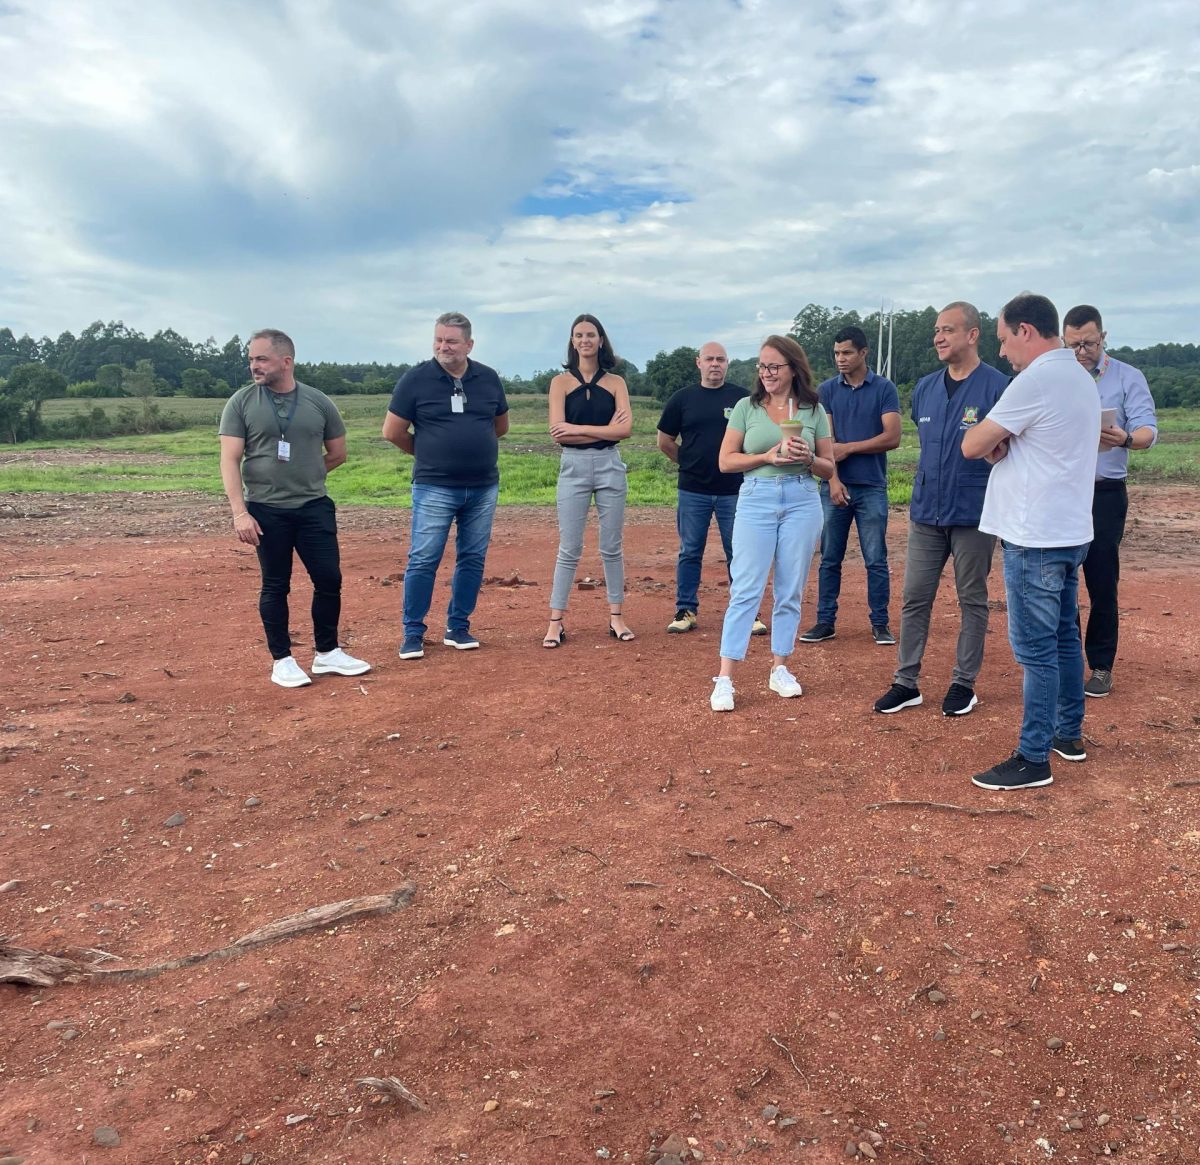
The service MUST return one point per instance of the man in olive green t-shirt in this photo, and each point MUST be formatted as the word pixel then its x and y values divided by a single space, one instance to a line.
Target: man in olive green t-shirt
pixel 279 438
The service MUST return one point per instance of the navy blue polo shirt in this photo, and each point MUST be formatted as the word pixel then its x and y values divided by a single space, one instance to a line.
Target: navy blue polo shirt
pixel 855 414
pixel 452 449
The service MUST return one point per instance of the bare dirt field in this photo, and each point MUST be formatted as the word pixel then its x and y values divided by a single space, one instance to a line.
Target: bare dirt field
pixel 634 920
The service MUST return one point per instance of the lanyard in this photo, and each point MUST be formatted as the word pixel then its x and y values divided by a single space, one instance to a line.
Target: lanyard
pixel 284 425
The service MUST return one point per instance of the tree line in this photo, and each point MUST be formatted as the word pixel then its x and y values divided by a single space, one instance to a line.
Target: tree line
pixel 116 361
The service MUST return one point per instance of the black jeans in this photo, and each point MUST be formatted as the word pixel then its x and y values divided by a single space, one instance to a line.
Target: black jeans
pixel 311 531
pixel 1102 572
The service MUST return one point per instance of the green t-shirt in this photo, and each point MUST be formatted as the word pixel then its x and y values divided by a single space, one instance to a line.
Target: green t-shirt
pixel 760 433
pixel 260 417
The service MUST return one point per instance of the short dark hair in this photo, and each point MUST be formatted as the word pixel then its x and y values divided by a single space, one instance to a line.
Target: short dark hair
pixel 1035 310
pixel 281 342
pixel 797 361
pixel 969 311
pixel 606 357
pixel 854 334
pixel 1081 316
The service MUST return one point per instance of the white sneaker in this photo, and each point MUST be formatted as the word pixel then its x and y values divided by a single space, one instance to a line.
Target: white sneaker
pixel 721 699
pixel 339 663
pixel 287 673
pixel 783 682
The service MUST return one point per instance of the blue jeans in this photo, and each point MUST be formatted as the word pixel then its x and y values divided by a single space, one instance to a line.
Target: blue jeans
pixel 434 508
pixel 868 509
pixel 692 520
pixel 778 523
pixel 1043 628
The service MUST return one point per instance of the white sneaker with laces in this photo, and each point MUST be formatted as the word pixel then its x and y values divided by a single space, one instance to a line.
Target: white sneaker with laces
pixel 786 684
pixel 287 673
pixel 339 663
pixel 721 699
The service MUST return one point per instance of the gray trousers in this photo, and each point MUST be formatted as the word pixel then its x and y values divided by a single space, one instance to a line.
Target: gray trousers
pixel 928 549
pixel 582 475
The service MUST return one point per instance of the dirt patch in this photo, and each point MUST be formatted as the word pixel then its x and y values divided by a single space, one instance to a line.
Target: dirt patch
pixel 633 918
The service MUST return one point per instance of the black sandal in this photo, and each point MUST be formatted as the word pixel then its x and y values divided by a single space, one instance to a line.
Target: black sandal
pixel 624 636
pixel 562 635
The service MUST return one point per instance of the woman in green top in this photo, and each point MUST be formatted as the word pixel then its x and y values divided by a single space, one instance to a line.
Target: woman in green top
pixel 778 520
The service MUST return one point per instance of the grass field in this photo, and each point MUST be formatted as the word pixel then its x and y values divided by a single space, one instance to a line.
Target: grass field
pixel 378 474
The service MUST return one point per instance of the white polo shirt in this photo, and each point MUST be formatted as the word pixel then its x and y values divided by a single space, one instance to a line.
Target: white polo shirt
pixel 1041 493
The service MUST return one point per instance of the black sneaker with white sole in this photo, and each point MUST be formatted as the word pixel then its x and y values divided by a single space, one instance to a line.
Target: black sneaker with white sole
pixel 882 634
pixel 897 697
pixel 1015 773
pixel 1069 749
pixel 959 700
pixel 818 633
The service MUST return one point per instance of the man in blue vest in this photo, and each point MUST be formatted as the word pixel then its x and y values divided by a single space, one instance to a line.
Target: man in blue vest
pixel 947 500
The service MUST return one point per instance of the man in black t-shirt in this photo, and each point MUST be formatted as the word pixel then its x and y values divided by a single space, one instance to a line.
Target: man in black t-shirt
pixel 690 432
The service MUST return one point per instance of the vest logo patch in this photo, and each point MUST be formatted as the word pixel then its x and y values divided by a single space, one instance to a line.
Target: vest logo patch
pixel 971 415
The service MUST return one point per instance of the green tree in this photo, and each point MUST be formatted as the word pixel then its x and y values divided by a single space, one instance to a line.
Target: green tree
pixel 21 397
pixel 144 385
pixel 670 371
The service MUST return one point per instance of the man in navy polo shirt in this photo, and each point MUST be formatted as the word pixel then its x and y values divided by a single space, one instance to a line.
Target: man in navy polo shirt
pixel 448 413
pixel 864 414
pixel 947 500
pixel 690 432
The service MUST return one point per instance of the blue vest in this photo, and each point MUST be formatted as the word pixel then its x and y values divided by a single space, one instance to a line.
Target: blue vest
pixel 947 488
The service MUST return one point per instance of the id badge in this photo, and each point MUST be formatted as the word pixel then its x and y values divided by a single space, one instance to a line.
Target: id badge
pixel 456 403
pixel 285 451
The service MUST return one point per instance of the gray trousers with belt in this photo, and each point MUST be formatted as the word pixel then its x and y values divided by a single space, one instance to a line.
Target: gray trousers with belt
pixel 928 549
pixel 584 474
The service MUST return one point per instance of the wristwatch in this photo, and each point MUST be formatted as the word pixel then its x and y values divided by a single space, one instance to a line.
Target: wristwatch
pixel 1128 440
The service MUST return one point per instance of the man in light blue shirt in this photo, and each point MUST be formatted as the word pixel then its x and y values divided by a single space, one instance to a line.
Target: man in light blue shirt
pixel 1124 390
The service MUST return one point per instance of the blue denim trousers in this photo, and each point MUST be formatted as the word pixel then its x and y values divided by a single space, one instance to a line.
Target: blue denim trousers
pixel 692 519
pixel 778 525
pixel 434 508
pixel 1043 608
pixel 868 510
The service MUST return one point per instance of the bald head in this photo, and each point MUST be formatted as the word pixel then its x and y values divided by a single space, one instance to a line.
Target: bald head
pixel 713 363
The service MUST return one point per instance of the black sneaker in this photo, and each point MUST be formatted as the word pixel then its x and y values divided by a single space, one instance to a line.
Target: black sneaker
pixel 959 700
pixel 1099 683
pixel 818 633
pixel 897 697
pixel 1069 749
pixel 882 634
pixel 1015 773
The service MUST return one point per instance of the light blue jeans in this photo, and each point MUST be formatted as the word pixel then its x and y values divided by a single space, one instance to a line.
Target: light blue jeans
pixel 584 474
pixel 778 525
pixel 1042 585
pixel 435 507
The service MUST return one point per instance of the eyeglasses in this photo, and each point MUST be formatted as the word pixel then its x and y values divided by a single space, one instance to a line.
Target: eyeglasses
pixel 769 369
pixel 1087 345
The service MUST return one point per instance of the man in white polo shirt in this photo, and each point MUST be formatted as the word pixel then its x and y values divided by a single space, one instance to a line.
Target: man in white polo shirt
pixel 1042 438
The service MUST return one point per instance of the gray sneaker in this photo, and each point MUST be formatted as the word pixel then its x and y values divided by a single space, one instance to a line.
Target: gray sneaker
pixel 1099 683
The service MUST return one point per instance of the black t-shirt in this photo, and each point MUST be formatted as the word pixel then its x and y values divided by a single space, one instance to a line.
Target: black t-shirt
pixel 452 449
pixel 952 385
pixel 699 415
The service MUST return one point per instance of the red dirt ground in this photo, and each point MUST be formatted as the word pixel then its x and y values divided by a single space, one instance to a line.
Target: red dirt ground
pixel 568 955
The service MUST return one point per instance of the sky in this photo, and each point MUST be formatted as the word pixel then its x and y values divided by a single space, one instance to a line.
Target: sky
pixel 686 170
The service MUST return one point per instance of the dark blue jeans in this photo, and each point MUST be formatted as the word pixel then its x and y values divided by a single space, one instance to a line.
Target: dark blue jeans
pixel 693 519
pixel 435 507
pixel 311 531
pixel 868 510
pixel 1043 627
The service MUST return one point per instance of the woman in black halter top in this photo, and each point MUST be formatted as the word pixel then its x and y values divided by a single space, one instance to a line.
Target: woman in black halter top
pixel 589 414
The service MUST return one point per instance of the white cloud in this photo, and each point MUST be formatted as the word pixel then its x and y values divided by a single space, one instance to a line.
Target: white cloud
pixel 348 170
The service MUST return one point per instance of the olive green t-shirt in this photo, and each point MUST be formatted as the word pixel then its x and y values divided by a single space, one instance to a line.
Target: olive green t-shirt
pixel 260 417
pixel 760 433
